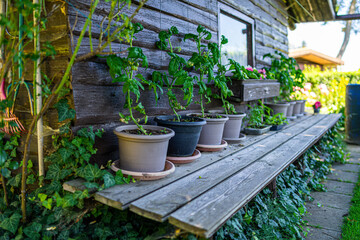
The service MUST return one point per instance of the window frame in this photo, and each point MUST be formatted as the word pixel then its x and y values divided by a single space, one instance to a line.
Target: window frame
pixel 248 21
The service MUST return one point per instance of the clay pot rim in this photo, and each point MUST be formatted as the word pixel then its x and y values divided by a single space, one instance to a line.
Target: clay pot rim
pixel 163 137
pixel 159 119
pixel 214 120
pixel 278 104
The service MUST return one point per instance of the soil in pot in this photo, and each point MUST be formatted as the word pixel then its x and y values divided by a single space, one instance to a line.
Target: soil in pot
pixel 143 153
pixel 187 134
pixel 278 107
pixel 212 131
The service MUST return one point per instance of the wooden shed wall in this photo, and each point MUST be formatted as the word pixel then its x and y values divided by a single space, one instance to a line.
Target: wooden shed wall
pixel 98 101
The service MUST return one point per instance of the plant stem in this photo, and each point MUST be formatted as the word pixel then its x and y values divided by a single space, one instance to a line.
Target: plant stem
pixel 73 57
pixel 5 191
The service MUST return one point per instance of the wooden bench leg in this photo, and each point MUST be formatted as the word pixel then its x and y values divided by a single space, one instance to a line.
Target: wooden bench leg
pixel 272 187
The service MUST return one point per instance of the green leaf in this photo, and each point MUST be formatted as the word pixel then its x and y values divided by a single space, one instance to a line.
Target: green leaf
pixel 109 180
pixel 6 172
pixel 91 185
pixel 64 110
pixel 56 173
pixel 42 197
pixel 92 172
pixel 33 230
pixel 65 154
pixel 3 157
pixel 69 201
pixel 11 224
pixel 81 194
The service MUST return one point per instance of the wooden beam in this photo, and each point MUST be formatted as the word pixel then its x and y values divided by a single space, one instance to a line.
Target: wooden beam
pixel 347 17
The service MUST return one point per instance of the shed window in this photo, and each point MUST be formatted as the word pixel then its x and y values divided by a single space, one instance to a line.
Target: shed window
pixel 240 35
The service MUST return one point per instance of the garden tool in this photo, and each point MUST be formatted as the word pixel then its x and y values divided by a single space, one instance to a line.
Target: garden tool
pixel 12 125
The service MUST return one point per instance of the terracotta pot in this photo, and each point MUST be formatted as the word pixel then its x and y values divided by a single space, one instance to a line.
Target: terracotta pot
pixel 290 109
pixel 278 107
pixel 186 137
pixel 233 125
pixel 297 108
pixel 212 132
pixel 142 153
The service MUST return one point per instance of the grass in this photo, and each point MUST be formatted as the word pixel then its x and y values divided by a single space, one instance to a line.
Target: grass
pixel 351 226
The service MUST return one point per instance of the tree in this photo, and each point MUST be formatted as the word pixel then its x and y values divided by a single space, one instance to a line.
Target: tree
pixel 348 27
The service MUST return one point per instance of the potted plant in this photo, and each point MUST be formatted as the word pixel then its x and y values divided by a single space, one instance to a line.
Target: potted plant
pixel 255 124
pixel 212 132
pixel 142 148
pixel 233 125
pixel 317 106
pixel 289 75
pixel 187 129
pixel 276 121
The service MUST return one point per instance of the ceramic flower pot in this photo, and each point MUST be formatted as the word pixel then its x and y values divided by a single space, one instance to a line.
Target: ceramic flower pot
pixel 278 108
pixel 143 153
pixel 233 126
pixel 212 131
pixel 290 109
pixel 297 108
pixel 302 108
pixel 187 134
pixel 316 110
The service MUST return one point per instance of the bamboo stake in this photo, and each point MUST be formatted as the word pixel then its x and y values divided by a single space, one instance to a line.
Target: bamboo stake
pixel 38 91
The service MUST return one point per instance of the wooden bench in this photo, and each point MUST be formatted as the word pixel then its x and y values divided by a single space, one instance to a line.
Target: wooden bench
pixel 199 197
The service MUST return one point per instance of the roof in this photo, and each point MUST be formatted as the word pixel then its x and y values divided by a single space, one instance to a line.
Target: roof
pixel 310 11
pixel 314 56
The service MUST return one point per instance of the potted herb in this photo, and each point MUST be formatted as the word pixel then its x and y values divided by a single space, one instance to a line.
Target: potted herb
pixel 187 129
pixel 142 148
pixel 255 124
pixel 233 125
pixel 276 121
pixel 212 132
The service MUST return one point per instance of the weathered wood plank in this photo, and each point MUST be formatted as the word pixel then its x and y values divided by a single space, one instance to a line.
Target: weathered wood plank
pixel 205 214
pixel 160 204
pixel 248 90
pixel 121 196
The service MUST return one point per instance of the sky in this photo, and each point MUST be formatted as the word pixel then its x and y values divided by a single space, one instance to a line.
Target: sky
pixel 327 39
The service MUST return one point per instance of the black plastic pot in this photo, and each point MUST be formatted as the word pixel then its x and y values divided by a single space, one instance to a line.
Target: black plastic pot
pixel 277 127
pixel 187 134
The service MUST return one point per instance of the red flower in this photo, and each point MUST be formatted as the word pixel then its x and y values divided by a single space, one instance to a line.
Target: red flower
pixel 317 105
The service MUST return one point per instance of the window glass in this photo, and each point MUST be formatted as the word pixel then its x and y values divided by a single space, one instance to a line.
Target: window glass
pixel 236 32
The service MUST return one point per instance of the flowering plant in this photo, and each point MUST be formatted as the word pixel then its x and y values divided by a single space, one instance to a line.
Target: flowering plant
pixel 317 105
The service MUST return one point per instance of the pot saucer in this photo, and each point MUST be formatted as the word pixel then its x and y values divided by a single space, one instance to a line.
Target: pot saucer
pixel 182 160
pixel 146 176
pixel 212 148
pixel 236 140
pixel 292 118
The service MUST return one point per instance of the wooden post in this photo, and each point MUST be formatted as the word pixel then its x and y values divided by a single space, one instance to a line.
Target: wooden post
pixel 38 96
pixel 272 187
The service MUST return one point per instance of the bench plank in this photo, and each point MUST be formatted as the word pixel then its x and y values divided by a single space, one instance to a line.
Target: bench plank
pixel 205 214
pixel 120 196
pixel 159 204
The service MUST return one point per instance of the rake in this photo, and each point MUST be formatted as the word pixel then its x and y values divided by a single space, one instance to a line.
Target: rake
pixel 12 125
